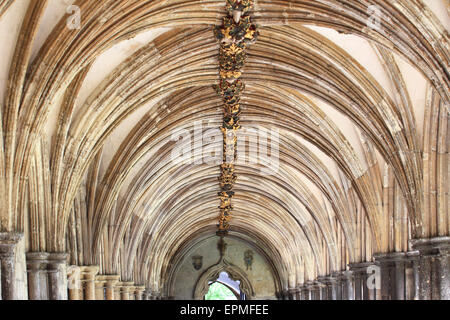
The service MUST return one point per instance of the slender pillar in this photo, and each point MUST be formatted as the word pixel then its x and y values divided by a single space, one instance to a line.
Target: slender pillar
pixel 434 268
pixel 100 284
pixel 57 276
pixel 284 295
pixel 117 289
pixel 139 292
pixel 10 289
pixel 310 290
pixel 148 294
pixel 395 277
pixel 304 292
pixel 317 290
pixel 298 293
pixel 357 279
pixel 125 290
pixel 314 290
pixel 37 275
pixel 333 287
pixel 74 282
pixel 158 296
pixel 414 275
pixel 111 282
pixel 361 275
pixel 292 294
pixel 323 288
pixel 348 286
pixel 336 283
pixel 132 293
pixel 88 280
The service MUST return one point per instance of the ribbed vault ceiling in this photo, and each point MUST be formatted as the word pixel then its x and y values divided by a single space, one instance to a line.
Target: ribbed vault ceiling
pixel 91 115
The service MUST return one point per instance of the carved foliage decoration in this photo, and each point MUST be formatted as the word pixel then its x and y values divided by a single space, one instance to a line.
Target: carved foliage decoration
pixel 234 35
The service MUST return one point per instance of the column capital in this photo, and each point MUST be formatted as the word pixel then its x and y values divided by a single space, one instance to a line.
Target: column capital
pixel 333 278
pixel 432 246
pixel 73 270
pixel 303 287
pixel 100 280
pixel 147 292
pixel 55 260
pixel 413 255
pixel 125 286
pixel 293 291
pixel 58 257
pixel 358 268
pixel 10 237
pixel 111 280
pixel 323 280
pixel 36 261
pixel 39 256
pixel 89 272
pixel 313 285
pixel 346 274
pixel 140 288
pixel 8 242
pixel 390 257
pixel 337 276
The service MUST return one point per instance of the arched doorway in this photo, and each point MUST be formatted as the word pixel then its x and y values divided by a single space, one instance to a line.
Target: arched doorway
pixel 229 275
pixel 225 288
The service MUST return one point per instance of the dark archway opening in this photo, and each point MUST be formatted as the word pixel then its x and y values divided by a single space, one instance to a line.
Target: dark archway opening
pixel 224 288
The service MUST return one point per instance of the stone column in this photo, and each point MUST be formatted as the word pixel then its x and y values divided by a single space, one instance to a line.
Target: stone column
pixel 309 290
pixel 148 294
pixel 314 290
pixel 158 296
pixel 57 276
pixel 139 292
pixel 348 286
pixel 100 284
pixel 111 282
pixel 283 295
pixel 298 293
pixel 393 275
pixel 37 275
pixel 434 268
pixel 132 293
pixel 292 294
pixel 74 283
pixel 88 280
pixel 317 290
pixel 412 276
pixel 117 291
pixel 333 284
pixel 125 290
pixel 357 279
pixel 361 274
pixel 323 288
pixel 304 293
pixel 10 248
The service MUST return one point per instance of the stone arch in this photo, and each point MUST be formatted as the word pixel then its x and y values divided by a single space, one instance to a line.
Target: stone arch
pixel 213 273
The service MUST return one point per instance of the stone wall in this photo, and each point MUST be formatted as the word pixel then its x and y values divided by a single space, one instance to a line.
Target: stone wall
pixel 260 276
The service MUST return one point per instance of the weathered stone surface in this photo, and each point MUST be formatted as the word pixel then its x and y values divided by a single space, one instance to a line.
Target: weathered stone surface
pixel 344 146
pixel 13 267
pixel 434 268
